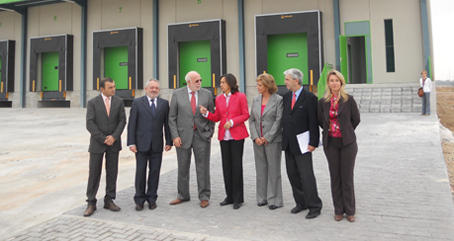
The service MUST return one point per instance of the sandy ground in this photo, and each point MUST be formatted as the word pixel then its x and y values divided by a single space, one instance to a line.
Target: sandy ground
pixel 445 111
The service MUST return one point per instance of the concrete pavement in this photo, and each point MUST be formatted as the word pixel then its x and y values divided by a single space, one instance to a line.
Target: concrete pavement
pixel 402 188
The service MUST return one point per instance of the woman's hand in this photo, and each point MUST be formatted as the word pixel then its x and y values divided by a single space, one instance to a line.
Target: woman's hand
pixel 203 110
pixel 227 125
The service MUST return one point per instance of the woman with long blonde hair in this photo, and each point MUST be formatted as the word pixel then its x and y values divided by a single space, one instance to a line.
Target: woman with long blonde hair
pixel 338 116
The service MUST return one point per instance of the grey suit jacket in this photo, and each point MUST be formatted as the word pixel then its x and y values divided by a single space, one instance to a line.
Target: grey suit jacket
pixel 270 120
pixel 181 119
pixel 100 125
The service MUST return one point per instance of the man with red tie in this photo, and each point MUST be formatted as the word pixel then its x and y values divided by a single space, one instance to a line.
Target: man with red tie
pixel 190 131
pixel 299 116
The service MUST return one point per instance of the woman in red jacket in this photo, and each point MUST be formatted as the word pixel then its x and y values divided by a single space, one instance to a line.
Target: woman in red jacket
pixel 232 112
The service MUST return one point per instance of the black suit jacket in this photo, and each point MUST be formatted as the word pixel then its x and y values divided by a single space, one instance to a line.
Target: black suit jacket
pixel 348 118
pixel 100 125
pixel 145 129
pixel 303 117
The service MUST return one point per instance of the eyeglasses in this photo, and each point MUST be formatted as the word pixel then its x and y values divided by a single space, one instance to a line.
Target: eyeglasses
pixel 197 81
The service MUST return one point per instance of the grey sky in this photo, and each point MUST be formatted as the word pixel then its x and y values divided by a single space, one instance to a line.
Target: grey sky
pixel 443 38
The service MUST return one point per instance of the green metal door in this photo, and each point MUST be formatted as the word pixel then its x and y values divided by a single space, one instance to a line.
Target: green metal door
pixel 196 55
pixel 287 51
pixel 116 66
pixel 50 71
pixel 343 56
pixel 2 84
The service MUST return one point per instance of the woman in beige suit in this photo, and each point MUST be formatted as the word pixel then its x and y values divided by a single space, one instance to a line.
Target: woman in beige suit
pixel 266 132
pixel 338 115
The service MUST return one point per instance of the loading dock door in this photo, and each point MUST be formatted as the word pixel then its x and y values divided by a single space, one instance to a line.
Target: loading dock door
pixel 116 66
pixel 50 71
pixel 287 51
pixel 196 55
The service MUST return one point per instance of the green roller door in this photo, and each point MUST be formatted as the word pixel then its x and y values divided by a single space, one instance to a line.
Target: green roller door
pixel 343 55
pixel 116 66
pixel 196 55
pixel 287 51
pixel 50 71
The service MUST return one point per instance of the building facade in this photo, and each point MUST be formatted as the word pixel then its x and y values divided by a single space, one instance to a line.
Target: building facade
pixel 56 51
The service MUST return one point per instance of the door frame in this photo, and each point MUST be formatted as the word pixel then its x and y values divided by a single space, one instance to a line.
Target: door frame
pixel 356 29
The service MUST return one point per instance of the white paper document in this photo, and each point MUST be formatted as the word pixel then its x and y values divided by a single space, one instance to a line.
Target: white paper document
pixel 303 141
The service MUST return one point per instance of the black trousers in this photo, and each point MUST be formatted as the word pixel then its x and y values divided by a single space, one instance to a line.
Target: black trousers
pixel 341 161
pixel 232 167
pixel 153 160
pixel 94 176
pixel 302 179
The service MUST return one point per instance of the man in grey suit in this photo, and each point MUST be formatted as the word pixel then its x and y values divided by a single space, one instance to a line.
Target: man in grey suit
pixel 149 116
pixel 190 130
pixel 106 120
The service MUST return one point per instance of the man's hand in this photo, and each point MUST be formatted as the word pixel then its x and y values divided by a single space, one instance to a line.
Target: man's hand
pixel 177 142
pixel 264 141
pixel 133 148
pixel 258 141
pixel 168 147
pixel 109 140
pixel 310 148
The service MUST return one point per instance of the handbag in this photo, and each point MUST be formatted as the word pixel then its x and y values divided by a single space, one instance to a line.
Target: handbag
pixel 421 89
pixel 420 92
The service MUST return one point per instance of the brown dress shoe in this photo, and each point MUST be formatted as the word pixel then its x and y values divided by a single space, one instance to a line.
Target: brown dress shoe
pixel 351 218
pixel 177 201
pixel 90 210
pixel 204 203
pixel 112 207
pixel 338 217
pixel 152 206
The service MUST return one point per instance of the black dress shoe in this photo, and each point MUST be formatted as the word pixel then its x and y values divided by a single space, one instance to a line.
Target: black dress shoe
pixel 272 207
pixel 112 207
pixel 152 206
pixel 262 204
pixel 139 206
pixel 236 205
pixel 313 214
pixel 225 202
pixel 298 209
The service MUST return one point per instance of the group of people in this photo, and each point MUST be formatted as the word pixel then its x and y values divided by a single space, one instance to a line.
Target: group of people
pixel 288 123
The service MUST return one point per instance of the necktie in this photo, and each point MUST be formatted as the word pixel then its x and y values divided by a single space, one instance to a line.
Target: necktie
pixel 153 108
pixel 107 106
pixel 293 100
pixel 193 106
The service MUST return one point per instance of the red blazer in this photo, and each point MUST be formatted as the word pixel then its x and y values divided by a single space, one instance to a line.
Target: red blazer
pixel 237 111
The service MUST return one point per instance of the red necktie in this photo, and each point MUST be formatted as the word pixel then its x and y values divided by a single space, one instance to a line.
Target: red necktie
pixel 193 105
pixel 293 100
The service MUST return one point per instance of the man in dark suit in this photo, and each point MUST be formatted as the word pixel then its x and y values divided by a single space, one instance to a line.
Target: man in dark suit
pixel 300 115
pixel 191 131
pixel 106 120
pixel 149 115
